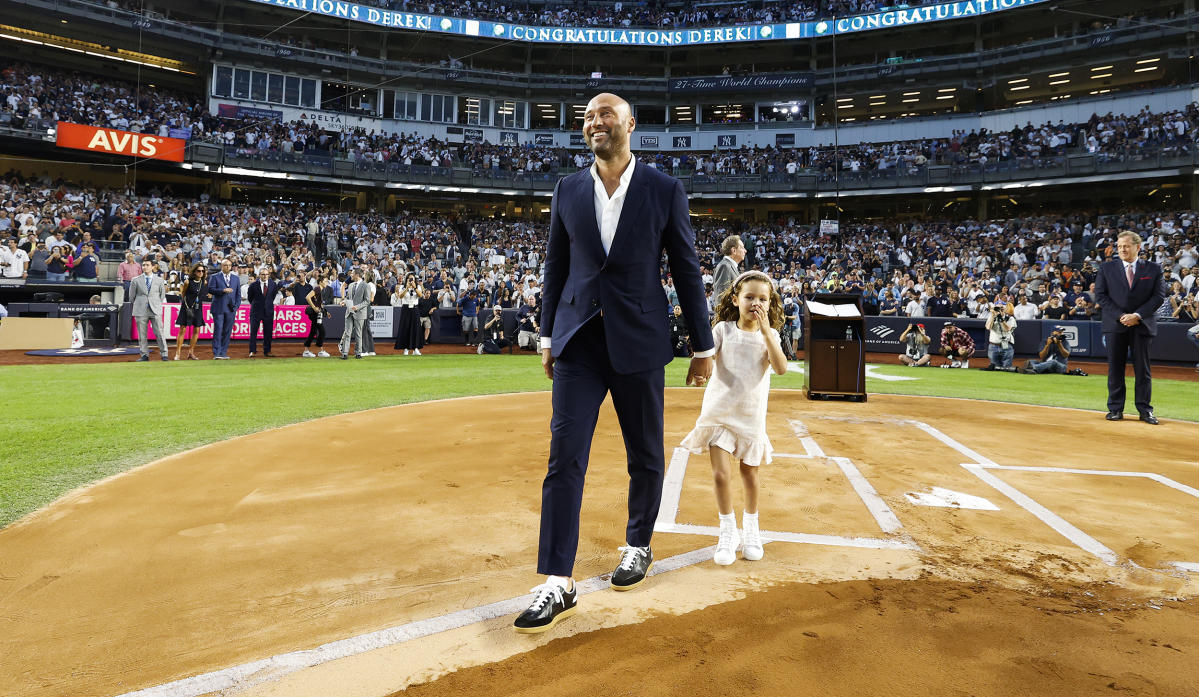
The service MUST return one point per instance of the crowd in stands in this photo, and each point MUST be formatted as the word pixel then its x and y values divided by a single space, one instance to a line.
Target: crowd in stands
pixel 1043 267
pixel 1111 137
pixel 37 98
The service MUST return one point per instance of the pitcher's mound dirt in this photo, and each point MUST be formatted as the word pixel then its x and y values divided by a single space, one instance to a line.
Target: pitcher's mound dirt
pixel 885 638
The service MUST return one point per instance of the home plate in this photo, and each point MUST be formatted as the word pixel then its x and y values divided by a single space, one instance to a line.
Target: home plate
pixel 944 498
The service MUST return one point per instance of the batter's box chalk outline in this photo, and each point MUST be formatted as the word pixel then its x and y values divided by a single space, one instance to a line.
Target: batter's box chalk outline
pixel 247 675
pixel 983 468
pixel 888 522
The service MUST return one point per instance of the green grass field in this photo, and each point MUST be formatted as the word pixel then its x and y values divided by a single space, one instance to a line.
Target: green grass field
pixel 68 425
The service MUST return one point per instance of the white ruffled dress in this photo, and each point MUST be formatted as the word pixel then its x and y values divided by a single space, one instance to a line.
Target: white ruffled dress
pixel 733 415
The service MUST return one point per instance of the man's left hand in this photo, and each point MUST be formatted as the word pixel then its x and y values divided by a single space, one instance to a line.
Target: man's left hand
pixel 699 371
pixel 1130 319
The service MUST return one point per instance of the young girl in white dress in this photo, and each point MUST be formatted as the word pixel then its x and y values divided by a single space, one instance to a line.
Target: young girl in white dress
pixel 732 421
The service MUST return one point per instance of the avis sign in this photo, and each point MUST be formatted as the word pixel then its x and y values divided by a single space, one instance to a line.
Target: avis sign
pixel 114 142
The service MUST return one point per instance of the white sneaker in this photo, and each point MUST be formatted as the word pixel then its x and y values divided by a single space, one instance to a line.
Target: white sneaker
pixel 965 364
pixel 308 354
pixel 322 354
pixel 369 353
pixel 751 547
pixel 405 352
pixel 726 547
pixel 955 364
pixel 416 352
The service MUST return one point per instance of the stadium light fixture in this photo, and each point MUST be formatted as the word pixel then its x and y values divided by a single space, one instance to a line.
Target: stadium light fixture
pixel 1102 67
pixel 1100 76
pixel 1052 75
pixel 949 89
pixel 946 96
pixel 1026 101
pixel 1148 60
pixel 1058 82
pixel 1145 70
pixel 909 101
pixel 93 53
pixel 1021 87
pixel 845 99
pixel 911 94
pixel 878 104
pixel 1018 81
pixel 879 96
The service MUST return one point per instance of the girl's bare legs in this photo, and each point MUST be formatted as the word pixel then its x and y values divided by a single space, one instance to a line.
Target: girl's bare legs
pixel 749 480
pixel 723 480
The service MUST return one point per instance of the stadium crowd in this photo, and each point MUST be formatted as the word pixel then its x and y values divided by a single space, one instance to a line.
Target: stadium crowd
pixel 1043 267
pixel 37 98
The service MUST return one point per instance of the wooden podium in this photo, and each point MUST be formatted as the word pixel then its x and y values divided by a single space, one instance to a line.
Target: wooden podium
pixel 834 336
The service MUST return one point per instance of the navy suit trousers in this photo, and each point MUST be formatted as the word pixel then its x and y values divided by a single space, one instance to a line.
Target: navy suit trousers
pixel 583 376
pixel 266 320
pixel 1119 346
pixel 222 330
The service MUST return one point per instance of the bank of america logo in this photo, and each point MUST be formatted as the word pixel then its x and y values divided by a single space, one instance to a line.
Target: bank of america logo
pixel 882 331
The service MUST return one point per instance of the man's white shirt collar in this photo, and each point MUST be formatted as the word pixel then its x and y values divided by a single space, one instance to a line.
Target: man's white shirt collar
pixel 625 178
pixel 608 208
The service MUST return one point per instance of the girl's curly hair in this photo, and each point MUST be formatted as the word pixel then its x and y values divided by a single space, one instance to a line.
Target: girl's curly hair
pixel 726 305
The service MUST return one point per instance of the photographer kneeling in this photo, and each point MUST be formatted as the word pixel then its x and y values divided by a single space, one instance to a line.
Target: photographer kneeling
pixel 1053 356
pixel 915 346
pixel 493 332
pixel 1001 343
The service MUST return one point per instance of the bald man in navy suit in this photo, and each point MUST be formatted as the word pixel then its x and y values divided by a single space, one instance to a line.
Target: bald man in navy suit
pixel 605 330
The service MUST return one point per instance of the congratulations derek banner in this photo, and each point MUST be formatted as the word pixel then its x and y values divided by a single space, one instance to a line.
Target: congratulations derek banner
pixel 616 36
pixel 290 322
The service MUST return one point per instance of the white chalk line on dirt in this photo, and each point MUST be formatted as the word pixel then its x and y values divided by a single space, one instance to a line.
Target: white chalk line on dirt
pixel 979 469
pixel 248 675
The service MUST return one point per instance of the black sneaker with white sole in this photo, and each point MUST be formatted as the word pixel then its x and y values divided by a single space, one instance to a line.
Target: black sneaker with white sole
pixel 550 604
pixel 634 565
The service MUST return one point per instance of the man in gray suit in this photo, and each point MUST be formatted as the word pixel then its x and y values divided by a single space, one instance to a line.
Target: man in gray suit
pixel 148 292
pixel 357 305
pixel 729 267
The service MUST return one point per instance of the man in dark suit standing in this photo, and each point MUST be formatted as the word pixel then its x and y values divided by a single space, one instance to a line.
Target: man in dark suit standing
pixel 261 295
pixel 1129 290
pixel 226 296
pixel 604 330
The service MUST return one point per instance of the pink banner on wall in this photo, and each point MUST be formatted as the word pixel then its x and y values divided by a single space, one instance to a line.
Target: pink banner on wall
pixel 290 322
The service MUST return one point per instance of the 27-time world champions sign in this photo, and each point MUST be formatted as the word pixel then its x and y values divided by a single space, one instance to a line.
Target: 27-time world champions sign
pixel 619 36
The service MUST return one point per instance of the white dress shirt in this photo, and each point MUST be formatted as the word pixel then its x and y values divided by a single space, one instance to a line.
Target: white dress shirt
pixel 608 208
pixel 607 218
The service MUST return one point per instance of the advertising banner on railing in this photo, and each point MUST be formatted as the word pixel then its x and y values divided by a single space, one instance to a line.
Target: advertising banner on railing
pixel 290 322
pixel 623 36
pixel 114 142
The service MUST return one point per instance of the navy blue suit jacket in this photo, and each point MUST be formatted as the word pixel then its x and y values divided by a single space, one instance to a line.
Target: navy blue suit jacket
pixel 264 303
pixel 1147 293
pixel 221 301
pixel 580 280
